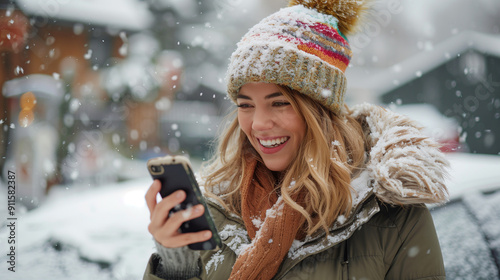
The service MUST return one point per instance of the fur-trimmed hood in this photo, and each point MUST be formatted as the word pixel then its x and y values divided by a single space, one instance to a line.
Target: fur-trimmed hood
pixel 404 166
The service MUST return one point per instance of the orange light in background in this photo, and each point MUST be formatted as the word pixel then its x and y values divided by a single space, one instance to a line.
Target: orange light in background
pixel 28 103
pixel 26 117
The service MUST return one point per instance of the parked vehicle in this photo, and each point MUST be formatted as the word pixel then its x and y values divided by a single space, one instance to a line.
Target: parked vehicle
pixel 468 226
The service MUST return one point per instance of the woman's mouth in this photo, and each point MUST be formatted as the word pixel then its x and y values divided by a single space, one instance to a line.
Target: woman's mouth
pixel 273 143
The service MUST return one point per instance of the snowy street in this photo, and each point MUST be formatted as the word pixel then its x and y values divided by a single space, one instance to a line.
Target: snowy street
pixel 98 233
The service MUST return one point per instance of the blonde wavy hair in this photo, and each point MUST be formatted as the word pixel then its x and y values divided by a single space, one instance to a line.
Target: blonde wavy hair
pixel 332 152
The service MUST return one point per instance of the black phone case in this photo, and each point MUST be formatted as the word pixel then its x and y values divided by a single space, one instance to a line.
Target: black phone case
pixel 175 176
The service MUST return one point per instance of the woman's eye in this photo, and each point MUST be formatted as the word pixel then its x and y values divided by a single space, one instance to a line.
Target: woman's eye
pixel 243 106
pixel 281 103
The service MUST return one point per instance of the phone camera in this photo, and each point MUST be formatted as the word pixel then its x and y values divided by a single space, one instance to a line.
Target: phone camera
pixel 155 168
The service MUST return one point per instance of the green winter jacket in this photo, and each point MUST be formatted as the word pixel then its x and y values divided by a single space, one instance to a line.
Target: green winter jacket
pixel 377 240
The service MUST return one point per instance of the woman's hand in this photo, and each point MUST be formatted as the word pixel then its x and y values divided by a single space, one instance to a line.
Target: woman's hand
pixel 165 228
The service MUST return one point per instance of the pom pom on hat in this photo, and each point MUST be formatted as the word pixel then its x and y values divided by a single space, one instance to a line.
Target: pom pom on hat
pixel 303 47
pixel 348 12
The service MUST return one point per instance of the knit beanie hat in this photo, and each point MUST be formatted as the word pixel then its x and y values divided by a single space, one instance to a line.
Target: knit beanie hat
pixel 303 47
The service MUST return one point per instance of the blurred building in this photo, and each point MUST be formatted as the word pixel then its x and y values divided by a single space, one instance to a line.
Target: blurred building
pixel 460 77
pixel 68 42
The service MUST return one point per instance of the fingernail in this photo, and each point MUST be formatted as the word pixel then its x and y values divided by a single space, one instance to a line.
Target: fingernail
pixel 178 194
pixel 198 209
pixel 207 234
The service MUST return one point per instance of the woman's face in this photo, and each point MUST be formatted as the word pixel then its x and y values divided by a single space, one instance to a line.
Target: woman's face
pixel 271 124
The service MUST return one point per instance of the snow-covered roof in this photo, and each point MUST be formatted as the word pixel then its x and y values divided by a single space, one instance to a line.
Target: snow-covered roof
pixel 381 81
pixel 44 86
pixel 185 8
pixel 126 14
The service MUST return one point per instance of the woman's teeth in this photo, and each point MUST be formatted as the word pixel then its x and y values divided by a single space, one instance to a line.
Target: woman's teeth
pixel 274 142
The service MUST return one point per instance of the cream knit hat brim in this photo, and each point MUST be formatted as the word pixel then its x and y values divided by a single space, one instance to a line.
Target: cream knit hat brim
pixel 281 65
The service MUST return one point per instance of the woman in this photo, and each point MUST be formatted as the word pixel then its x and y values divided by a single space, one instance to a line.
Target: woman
pixel 301 186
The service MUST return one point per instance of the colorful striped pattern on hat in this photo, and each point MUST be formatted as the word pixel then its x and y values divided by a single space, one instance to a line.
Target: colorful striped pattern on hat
pixel 297 47
pixel 322 41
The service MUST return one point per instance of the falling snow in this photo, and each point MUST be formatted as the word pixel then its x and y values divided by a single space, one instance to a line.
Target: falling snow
pixel 88 55
pixel 100 244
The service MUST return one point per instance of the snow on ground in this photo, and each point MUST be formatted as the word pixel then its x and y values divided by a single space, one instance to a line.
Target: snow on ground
pixel 98 233
pixel 101 232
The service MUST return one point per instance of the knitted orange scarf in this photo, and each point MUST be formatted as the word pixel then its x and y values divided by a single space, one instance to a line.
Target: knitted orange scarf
pixel 279 226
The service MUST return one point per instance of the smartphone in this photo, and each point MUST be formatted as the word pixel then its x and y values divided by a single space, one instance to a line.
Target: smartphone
pixel 175 173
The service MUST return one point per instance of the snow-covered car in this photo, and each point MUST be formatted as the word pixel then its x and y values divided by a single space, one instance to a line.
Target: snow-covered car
pixel 468 226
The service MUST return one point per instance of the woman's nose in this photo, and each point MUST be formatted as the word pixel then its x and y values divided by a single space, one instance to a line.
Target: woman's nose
pixel 262 120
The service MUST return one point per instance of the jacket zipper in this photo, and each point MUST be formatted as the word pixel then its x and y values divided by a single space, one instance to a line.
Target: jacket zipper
pixel 345 262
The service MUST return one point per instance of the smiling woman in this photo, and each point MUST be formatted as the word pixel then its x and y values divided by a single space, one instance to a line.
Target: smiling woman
pixel 273 127
pixel 301 186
